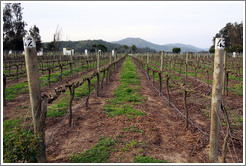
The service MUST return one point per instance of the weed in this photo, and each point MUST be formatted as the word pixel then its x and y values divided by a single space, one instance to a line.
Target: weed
pixel 140 150
pixel 147 159
pixel 97 154
pixel 19 145
pixel 132 144
pixel 126 93
pixel 120 136
pixel 58 109
pixel 133 129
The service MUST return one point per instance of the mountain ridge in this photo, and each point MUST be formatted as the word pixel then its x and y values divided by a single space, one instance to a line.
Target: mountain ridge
pixel 141 43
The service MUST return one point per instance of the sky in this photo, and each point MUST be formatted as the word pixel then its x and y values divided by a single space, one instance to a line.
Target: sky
pixel 159 22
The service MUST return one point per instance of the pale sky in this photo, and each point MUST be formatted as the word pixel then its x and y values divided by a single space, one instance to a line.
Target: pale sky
pixel 159 22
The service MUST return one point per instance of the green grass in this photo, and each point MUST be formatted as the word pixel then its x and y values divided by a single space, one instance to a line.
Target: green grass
pixel 8 125
pixel 19 145
pixel 132 144
pixel 12 91
pixel 97 154
pixel 239 119
pixel 133 129
pixel 147 159
pixel 123 109
pixel 127 94
pixel 58 109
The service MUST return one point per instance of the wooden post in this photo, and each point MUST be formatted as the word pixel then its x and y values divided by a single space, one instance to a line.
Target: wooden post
pixel 38 109
pixel 227 83
pixel 162 52
pixel 160 81
pixel 110 57
pixel 216 99
pixel 224 73
pixel 103 78
pixel 153 77
pixel 167 86
pixel 49 76
pixel 98 73
pixel 185 107
pixel 186 63
pixel 148 58
pixel 89 92
pixel 71 90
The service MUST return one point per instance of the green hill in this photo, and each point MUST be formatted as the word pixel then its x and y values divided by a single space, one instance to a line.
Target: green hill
pixel 92 45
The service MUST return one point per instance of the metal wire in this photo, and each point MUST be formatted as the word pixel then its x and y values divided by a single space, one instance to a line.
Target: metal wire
pixel 68 116
pixel 204 133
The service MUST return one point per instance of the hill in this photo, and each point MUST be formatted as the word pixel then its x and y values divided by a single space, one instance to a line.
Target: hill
pixel 82 45
pixel 140 43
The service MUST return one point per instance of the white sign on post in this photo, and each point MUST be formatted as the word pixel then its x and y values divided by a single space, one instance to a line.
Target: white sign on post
pixel 219 43
pixel 29 42
pixel 112 52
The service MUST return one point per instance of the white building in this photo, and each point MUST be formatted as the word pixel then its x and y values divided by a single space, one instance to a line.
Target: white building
pixel 67 51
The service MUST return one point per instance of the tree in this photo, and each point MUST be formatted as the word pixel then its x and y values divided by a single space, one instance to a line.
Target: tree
pixel 176 50
pixel 102 47
pixel 57 38
pixel 13 27
pixel 212 49
pixel 34 32
pixel 8 30
pixel 233 34
pixel 133 48
pixel 125 47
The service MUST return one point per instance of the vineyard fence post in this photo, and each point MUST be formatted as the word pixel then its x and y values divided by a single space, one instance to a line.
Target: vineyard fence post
pixel 39 108
pixel 216 99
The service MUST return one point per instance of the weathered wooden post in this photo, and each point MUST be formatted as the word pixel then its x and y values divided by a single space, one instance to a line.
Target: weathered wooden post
pixel 162 54
pixel 89 92
pixel 38 109
pixel 224 73
pixel 186 63
pixel 167 86
pixel 98 73
pixel 216 99
pixel 110 57
pixel 49 76
pixel 71 90
pixel 160 82
pixel 148 58
pixel 185 107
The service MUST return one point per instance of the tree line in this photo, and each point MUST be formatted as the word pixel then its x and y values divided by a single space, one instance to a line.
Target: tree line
pixel 233 34
pixel 14 28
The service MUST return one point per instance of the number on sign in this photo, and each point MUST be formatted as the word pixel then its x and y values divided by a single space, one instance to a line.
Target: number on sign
pixel 29 42
pixel 221 43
